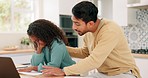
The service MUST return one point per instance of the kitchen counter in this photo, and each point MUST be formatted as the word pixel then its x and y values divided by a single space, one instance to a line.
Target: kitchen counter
pixel 17 51
pixel 140 55
pixel 32 50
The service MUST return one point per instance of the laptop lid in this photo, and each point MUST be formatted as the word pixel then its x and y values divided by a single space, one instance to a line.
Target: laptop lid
pixel 7 68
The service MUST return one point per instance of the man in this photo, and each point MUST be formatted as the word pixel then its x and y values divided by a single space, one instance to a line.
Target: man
pixel 105 47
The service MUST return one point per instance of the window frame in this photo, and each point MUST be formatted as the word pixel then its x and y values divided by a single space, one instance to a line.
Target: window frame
pixel 35 10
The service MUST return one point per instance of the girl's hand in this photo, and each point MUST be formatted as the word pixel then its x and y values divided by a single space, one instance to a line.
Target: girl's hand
pixel 40 46
pixel 28 69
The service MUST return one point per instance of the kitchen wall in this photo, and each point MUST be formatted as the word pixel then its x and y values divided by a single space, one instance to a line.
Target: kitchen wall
pixel 9 39
pixel 137 34
pixel 65 6
pixel 51 10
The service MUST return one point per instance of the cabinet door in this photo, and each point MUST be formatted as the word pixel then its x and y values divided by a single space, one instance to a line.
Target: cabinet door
pixel 120 12
pixel 115 10
pixel 142 63
pixel 65 6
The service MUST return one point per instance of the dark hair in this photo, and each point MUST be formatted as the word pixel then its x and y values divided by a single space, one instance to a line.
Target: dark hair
pixel 86 11
pixel 46 31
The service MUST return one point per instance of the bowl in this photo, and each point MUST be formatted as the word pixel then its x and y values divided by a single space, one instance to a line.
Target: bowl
pixel 10 48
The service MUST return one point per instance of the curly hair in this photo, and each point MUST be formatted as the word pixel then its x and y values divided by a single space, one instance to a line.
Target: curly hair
pixel 46 31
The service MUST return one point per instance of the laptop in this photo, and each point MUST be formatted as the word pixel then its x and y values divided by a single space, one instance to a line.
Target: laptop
pixel 7 68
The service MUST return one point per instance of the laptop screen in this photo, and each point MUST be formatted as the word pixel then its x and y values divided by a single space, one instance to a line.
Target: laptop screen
pixel 7 68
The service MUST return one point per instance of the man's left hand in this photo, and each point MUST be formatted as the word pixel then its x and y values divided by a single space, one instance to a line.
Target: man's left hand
pixel 48 70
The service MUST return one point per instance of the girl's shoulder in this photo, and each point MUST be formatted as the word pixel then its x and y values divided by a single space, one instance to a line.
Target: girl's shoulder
pixel 57 42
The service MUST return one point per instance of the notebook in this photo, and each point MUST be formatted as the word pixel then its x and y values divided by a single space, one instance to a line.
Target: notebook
pixel 7 68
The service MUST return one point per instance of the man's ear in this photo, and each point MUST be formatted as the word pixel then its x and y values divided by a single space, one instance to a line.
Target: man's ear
pixel 91 23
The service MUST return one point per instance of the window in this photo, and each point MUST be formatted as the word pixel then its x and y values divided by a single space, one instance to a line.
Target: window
pixel 16 15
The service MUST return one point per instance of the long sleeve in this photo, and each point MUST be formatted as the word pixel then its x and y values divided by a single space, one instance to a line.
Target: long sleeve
pixel 52 58
pixel 37 59
pixel 56 56
pixel 98 55
pixel 80 52
pixel 59 56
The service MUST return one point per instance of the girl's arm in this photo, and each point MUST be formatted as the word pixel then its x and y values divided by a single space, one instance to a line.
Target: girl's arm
pixel 37 59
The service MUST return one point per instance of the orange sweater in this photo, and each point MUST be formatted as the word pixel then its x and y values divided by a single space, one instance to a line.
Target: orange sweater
pixel 106 50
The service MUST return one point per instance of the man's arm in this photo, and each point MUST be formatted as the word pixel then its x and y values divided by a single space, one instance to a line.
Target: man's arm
pixel 105 45
pixel 78 52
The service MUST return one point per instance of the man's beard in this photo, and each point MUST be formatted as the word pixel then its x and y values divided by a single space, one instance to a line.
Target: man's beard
pixel 81 33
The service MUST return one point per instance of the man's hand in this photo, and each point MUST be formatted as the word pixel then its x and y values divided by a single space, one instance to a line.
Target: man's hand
pixel 48 70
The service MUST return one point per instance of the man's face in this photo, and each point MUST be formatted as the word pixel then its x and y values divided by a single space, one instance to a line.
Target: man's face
pixel 79 26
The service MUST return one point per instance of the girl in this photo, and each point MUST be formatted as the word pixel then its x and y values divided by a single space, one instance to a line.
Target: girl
pixel 49 42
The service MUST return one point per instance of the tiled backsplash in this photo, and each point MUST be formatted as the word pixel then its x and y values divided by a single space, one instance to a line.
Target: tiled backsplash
pixel 137 34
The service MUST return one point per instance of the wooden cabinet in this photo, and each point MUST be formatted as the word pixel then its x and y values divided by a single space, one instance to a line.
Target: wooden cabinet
pixel 116 10
pixel 142 64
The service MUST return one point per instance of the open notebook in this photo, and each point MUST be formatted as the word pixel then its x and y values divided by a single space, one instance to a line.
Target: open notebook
pixel 7 68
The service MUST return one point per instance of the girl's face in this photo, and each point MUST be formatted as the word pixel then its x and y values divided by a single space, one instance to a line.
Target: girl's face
pixel 36 40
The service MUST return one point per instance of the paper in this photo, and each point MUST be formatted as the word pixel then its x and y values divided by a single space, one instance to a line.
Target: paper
pixel 76 77
pixel 32 73
pixel 21 66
